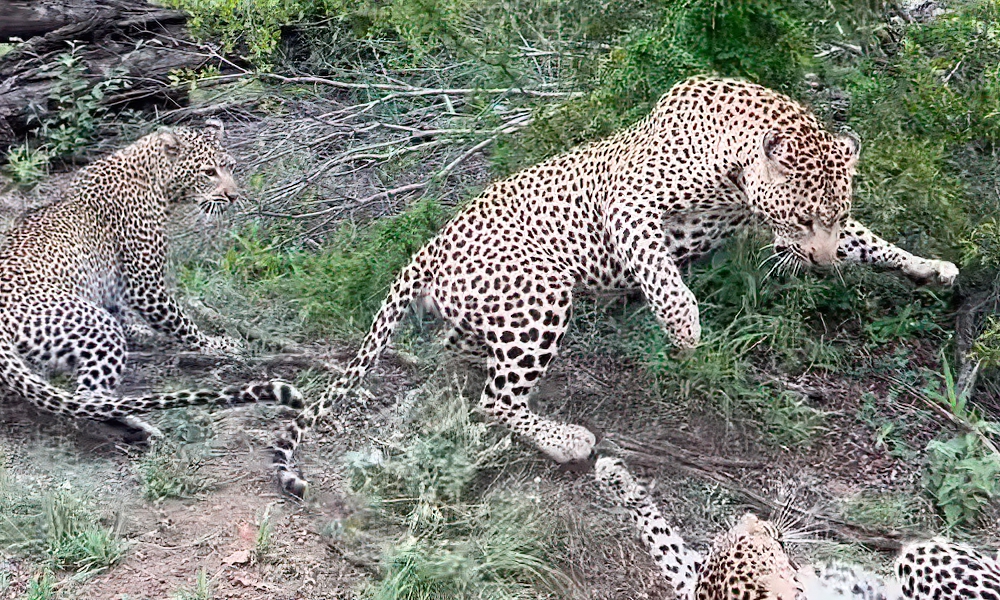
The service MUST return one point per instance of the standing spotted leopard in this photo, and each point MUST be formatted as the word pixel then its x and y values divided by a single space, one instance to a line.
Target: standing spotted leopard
pixel 749 562
pixel 715 156
pixel 75 275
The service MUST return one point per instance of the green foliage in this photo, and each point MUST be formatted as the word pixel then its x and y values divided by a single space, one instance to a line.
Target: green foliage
pixel 986 349
pixel 251 27
pixel 59 527
pixel 455 540
pixel 930 117
pixel 910 320
pixel 963 474
pixel 907 193
pixel 963 477
pixel 202 589
pixel 27 165
pixel 41 587
pixel 171 470
pixel 341 286
pixel 77 103
pixel 761 40
pixel 72 120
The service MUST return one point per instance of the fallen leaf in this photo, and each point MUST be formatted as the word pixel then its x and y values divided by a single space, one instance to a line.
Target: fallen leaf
pixel 240 557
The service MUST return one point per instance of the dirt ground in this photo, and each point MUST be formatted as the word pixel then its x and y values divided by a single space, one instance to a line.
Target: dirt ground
pixel 704 468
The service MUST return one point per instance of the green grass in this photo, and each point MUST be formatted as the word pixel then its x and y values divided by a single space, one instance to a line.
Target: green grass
pixel 59 528
pixel 171 470
pixel 899 511
pixel 338 288
pixel 202 589
pixel 449 531
pixel 41 587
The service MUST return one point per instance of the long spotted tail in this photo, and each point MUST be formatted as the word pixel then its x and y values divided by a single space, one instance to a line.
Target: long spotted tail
pixel 404 290
pixel 16 376
pixel 679 564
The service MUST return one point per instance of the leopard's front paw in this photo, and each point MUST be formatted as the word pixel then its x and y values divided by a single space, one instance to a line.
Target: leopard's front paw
pixel 220 345
pixel 567 444
pixel 686 336
pixel 940 272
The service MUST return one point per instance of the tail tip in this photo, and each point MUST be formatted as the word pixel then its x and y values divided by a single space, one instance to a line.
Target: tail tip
pixel 287 394
pixel 293 485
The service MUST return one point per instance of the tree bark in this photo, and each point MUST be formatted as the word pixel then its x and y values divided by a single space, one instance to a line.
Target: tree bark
pixel 147 40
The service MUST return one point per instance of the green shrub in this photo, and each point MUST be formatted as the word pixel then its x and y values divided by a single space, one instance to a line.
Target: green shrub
pixel 930 116
pixel 963 477
pixel 250 27
pixel 761 40
pixel 76 102
pixel 73 119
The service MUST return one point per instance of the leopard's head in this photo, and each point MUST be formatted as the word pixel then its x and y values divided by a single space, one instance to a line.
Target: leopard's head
pixel 196 166
pixel 799 182
pixel 748 561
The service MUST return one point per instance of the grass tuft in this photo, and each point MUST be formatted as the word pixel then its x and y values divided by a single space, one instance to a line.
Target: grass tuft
pixel 449 532
pixel 171 470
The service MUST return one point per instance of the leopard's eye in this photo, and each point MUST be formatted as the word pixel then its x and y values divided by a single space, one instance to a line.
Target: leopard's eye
pixel 806 222
pixel 210 171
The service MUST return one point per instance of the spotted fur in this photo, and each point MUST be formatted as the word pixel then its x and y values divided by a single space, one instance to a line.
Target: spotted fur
pixel 716 156
pixel 75 276
pixel 679 564
pixel 749 561
pixel 943 570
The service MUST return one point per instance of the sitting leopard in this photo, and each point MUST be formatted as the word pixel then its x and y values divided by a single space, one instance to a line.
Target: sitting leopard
pixel 716 156
pixel 75 274
pixel 749 561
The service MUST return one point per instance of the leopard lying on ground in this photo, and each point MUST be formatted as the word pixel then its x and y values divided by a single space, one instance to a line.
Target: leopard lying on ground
pixel 749 561
pixel 77 274
pixel 716 156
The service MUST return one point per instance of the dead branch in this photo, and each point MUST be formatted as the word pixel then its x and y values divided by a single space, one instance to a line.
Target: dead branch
pixel 409 90
pixel 658 455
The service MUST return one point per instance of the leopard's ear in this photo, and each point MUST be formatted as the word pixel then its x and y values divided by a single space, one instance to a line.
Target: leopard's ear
pixel 217 127
pixel 169 142
pixel 851 144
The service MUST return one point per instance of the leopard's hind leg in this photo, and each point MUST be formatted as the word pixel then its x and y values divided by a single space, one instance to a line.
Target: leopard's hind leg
pixel 71 334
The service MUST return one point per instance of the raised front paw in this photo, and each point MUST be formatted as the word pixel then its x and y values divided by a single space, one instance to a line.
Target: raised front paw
pixel 567 444
pixel 220 345
pixel 940 272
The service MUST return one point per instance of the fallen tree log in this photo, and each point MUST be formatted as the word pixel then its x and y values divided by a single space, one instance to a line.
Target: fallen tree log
pixel 146 41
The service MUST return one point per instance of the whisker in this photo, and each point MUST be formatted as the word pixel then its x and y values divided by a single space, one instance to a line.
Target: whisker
pixel 777 265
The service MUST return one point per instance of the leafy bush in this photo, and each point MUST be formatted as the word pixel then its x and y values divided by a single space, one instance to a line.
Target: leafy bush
pixel 76 103
pixel 930 117
pixel 72 120
pixel 963 477
pixel 761 40
pixel 252 27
